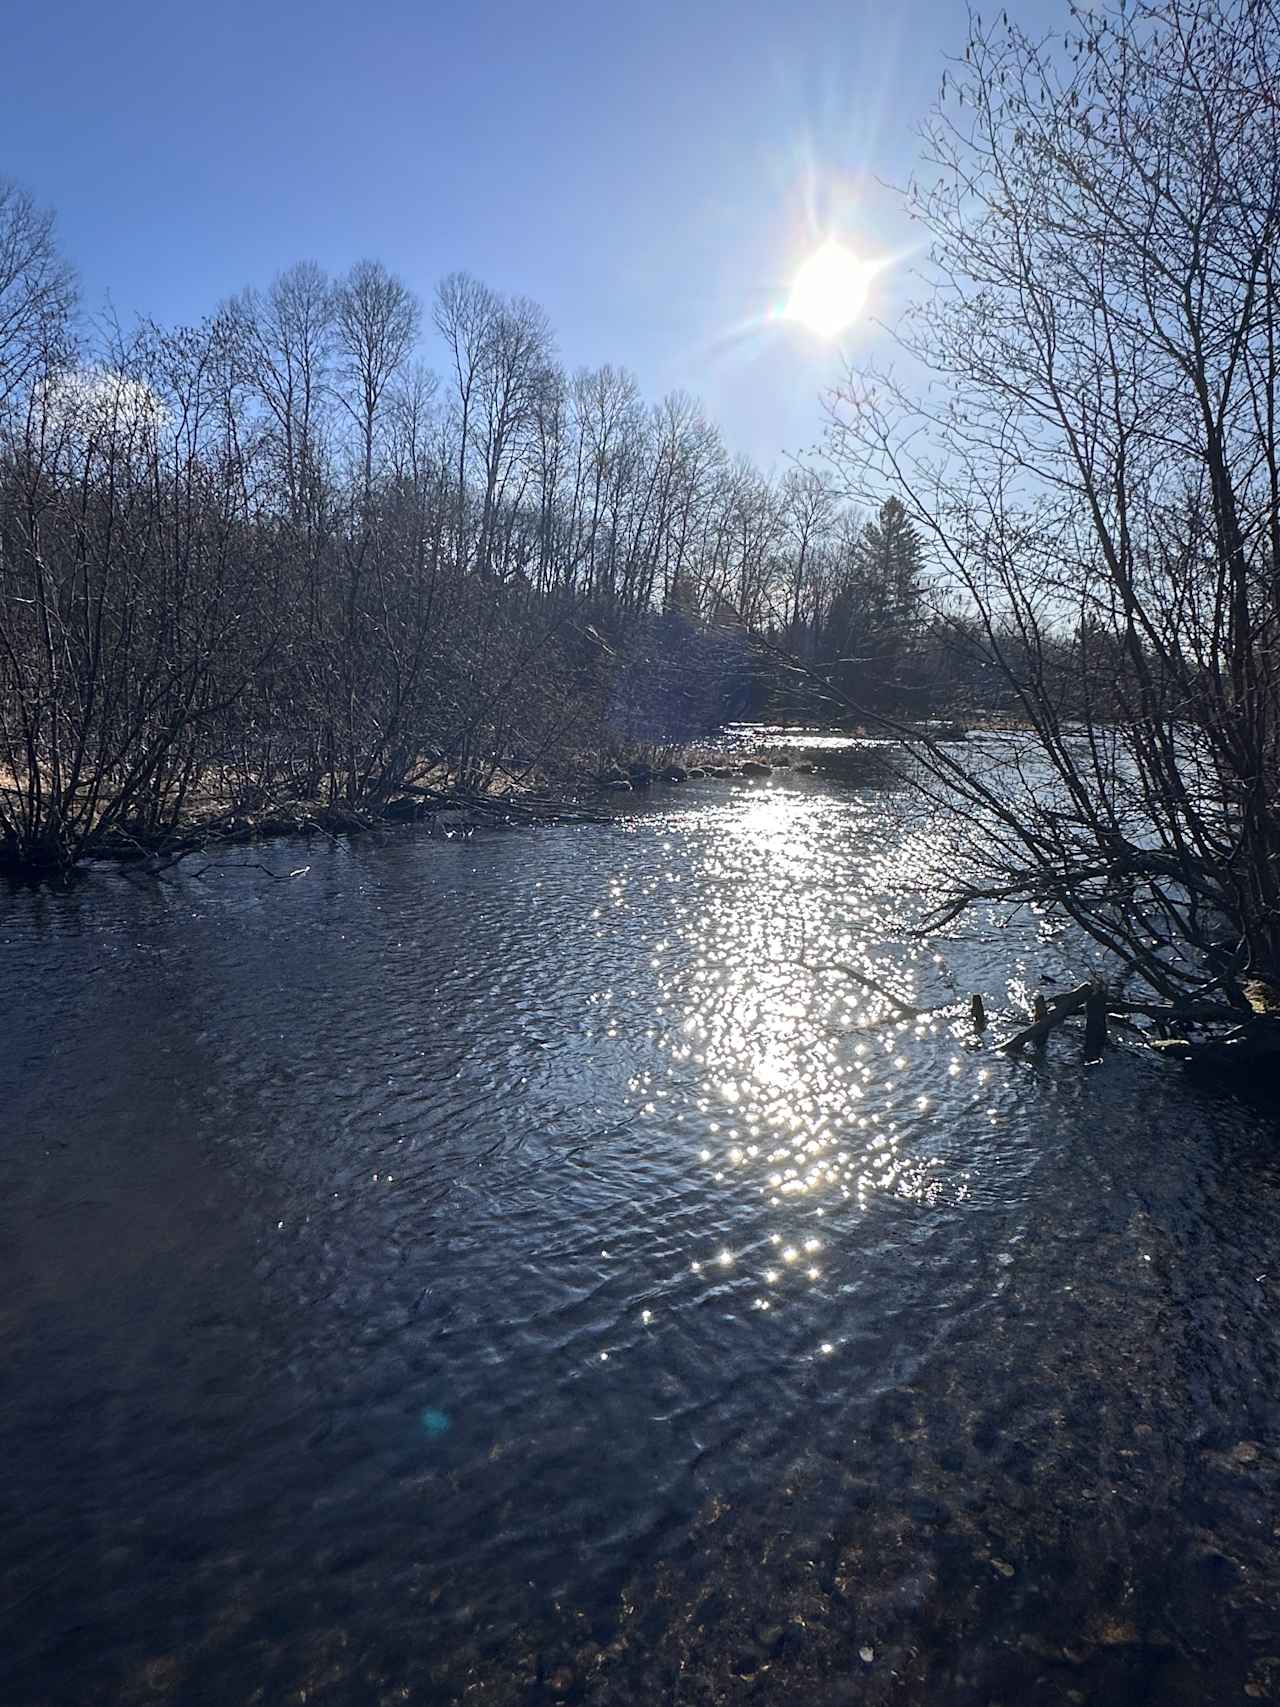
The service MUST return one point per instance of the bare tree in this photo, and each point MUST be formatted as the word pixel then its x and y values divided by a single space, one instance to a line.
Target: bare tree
pixel 1099 471
pixel 606 403
pixel 285 346
pixel 809 506
pixel 376 319
pixel 37 291
pixel 466 313
pixel 511 384
pixel 413 424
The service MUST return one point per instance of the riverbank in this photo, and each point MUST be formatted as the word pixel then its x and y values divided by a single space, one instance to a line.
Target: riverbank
pixel 508 797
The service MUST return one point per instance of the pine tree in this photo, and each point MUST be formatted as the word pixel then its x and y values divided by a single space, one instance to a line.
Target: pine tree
pixel 888 563
pixel 875 618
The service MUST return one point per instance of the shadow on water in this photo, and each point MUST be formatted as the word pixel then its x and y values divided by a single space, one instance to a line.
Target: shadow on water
pixel 524 1270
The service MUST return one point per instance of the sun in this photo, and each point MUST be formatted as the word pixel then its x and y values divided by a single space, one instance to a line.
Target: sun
pixel 830 290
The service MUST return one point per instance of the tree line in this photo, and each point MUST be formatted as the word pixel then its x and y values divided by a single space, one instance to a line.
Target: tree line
pixel 275 555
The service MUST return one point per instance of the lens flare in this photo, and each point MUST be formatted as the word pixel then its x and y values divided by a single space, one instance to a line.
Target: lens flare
pixel 830 290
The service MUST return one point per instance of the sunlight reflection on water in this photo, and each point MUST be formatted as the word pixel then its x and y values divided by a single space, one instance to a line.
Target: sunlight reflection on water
pixel 791 1050
pixel 751 1298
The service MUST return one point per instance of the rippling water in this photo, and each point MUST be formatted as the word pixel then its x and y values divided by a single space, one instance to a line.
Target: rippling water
pixel 532 1269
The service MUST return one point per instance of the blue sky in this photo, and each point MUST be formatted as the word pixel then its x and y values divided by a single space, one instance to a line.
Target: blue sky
pixel 652 174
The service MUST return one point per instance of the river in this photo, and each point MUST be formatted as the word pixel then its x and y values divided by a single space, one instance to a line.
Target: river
pixel 526 1269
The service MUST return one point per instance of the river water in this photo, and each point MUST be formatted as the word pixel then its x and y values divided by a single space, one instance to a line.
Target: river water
pixel 529 1269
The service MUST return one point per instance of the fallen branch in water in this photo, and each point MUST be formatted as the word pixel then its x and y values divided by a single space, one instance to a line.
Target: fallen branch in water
pixel 904 1010
pixel 1062 1007
pixel 1182 1013
pixel 253 865
pixel 1088 997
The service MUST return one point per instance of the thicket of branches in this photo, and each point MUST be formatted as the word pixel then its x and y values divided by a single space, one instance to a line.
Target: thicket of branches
pixel 273 555
pixel 1097 461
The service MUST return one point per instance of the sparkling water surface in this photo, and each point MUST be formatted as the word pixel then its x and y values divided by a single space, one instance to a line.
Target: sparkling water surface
pixel 543 1268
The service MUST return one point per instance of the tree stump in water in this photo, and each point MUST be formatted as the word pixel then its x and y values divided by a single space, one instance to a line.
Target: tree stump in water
pixel 1095 1025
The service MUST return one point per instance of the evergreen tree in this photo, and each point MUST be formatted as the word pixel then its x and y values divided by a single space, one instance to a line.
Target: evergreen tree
pixel 875 619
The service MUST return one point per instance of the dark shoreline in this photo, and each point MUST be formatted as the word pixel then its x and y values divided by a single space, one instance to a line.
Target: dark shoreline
pixel 576 799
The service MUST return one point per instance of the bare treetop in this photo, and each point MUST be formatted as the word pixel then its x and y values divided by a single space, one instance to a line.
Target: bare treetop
pixel 37 288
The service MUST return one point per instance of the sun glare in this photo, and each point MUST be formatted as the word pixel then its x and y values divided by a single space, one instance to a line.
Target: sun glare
pixel 830 290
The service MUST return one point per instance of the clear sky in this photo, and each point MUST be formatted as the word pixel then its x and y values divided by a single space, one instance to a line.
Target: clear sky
pixel 651 173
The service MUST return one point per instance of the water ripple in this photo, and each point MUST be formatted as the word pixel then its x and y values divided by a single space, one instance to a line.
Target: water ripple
pixel 560 1264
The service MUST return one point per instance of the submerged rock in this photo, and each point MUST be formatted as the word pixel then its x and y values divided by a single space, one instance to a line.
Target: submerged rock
pixel 756 767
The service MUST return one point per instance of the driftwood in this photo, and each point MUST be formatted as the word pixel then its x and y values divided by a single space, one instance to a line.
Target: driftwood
pixel 1253 1047
pixel 1062 1007
pixel 1248 1054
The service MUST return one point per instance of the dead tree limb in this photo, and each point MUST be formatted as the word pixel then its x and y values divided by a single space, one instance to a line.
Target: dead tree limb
pixel 905 1010
pixel 1062 1007
pixel 1184 1013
